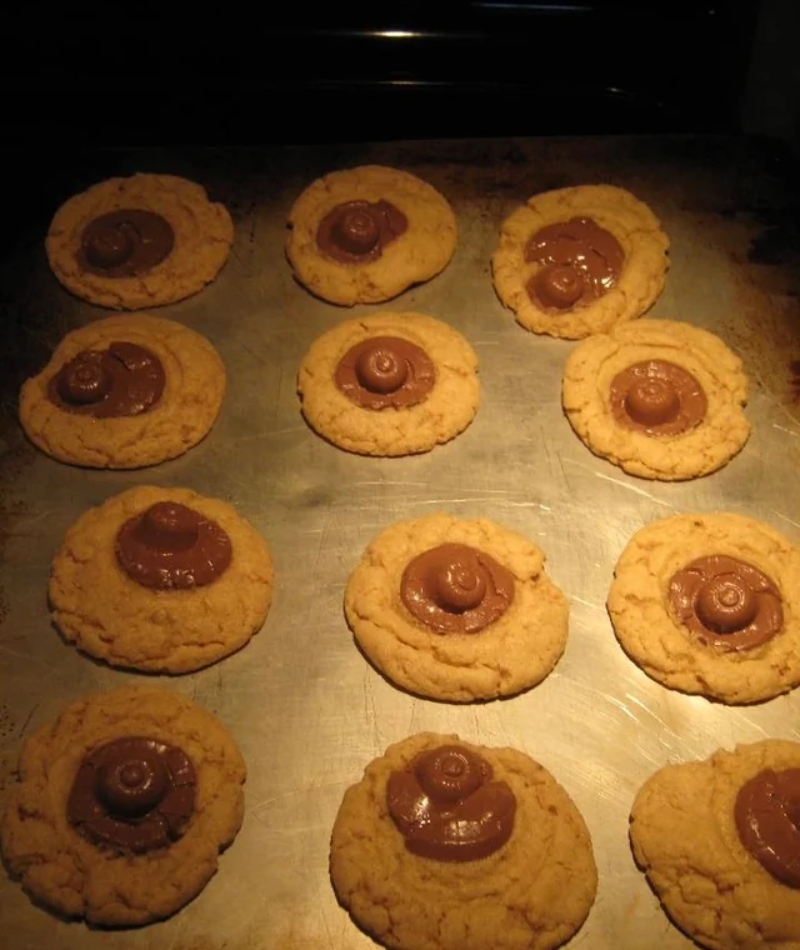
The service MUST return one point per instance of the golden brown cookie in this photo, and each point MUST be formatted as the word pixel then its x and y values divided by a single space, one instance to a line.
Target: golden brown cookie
pixel 369 252
pixel 588 283
pixel 98 593
pixel 534 891
pixel 685 836
pixel 86 868
pixel 711 627
pixel 399 402
pixel 502 629
pixel 179 257
pixel 180 417
pixel 659 398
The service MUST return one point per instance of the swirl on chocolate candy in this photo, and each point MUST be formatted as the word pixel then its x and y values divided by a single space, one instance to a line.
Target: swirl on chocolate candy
pixel 658 398
pixel 726 602
pixel 124 380
pixel 455 588
pixel 767 813
pixel 356 232
pixel 447 807
pixel 580 262
pixel 385 371
pixel 170 546
pixel 125 243
pixel 134 794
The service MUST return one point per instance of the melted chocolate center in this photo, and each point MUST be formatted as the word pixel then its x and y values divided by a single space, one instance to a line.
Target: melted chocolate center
pixel 134 794
pixel 447 807
pixel 384 371
pixel 455 588
pixel 356 232
pixel 726 602
pixel 124 380
pixel 580 262
pixel 125 243
pixel 170 546
pixel 767 814
pixel 658 398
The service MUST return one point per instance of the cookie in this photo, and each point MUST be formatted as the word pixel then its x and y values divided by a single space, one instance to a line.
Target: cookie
pixel 122 807
pixel 124 392
pixel 364 235
pixel 389 384
pixel 505 860
pixel 720 846
pixel 456 610
pixel 659 398
pixel 580 260
pixel 139 242
pixel 162 580
pixel 710 604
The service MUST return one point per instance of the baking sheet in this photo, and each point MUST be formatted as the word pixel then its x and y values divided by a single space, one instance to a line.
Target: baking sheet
pixel 306 709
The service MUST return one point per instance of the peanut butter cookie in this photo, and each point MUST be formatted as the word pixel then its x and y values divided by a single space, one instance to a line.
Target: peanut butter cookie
pixel 389 384
pixel 710 604
pixel 363 235
pixel 456 610
pixel 139 242
pixel 719 843
pixel 122 807
pixel 580 260
pixel 460 847
pixel 661 399
pixel 124 392
pixel 161 579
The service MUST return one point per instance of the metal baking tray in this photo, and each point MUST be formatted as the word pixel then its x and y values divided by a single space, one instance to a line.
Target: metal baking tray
pixel 305 707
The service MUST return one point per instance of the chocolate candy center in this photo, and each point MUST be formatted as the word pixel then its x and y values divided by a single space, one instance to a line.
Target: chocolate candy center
pixel 447 807
pixel 356 232
pixel 726 602
pixel 580 262
pixel 125 243
pixel 133 794
pixel 385 371
pixel 170 546
pixel 767 814
pixel 657 397
pixel 124 380
pixel 454 588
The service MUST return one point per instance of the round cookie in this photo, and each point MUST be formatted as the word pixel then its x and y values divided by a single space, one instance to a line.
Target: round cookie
pixel 443 412
pixel 705 446
pixel 514 651
pixel 420 251
pixel 646 621
pixel 684 837
pixel 202 233
pixel 641 276
pixel 534 892
pixel 97 606
pixel 194 385
pixel 67 872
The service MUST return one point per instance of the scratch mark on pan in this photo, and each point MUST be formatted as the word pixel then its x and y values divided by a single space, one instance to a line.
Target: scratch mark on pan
pixel 617 481
pixel 792 432
pixel 588 603
pixel 783 517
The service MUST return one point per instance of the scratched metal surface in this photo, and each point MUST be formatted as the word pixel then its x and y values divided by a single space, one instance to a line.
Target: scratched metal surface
pixel 305 707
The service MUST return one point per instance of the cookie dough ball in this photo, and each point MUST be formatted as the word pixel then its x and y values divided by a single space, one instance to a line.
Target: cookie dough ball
pixel 456 610
pixel 161 579
pixel 389 384
pixel 710 604
pixel 580 260
pixel 719 843
pixel 661 399
pixel 364 235
pixel 122 807
pixel 504 861
pixel 138 242
pixel 124 392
